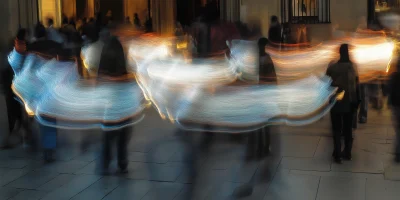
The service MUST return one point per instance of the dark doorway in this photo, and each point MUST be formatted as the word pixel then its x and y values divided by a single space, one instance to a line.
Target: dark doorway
pixel 115 6
pixel 187 11
pixel 80 8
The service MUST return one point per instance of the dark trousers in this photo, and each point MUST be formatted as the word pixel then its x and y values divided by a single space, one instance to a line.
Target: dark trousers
pixel 342 124
pixel 259 143
pixel 122 136
pixel 363 113
pixel 396 120
pixel 14 112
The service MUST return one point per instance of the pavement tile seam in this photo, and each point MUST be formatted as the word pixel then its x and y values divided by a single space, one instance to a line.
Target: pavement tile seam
pixel 319 183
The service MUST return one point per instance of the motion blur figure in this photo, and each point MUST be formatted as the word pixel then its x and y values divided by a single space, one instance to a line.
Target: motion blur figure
pixel 275 30
pixel 394 101
pixel 345 77
pixel 16 121
pixel 259 141
pixel 136 21
pixel 112 67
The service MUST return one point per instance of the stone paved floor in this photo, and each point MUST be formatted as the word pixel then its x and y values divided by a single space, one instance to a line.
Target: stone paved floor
pixel 300 167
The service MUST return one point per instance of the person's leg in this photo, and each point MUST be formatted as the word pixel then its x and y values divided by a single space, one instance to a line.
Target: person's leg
pixel 107 145
pixel 49 142
pixel 251 145
pixel 363 114
pixel 123 141
pixel 396 122
pixel 348 135
pixel 266 140
pixel 336 119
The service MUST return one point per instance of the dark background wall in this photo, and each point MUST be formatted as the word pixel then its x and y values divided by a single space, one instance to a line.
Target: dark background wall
pixel 116 6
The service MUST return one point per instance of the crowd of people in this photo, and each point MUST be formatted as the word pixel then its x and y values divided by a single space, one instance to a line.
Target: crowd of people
pixel 71 36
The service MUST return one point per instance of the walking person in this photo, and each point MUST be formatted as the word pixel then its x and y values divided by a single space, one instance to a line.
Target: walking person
pixel 394 101
pixel 345 77
pixel 113 67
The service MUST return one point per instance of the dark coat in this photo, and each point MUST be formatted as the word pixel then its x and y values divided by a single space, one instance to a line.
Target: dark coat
pixel 394 89
pixel 345 77
pixel 267 69
pixel 275 33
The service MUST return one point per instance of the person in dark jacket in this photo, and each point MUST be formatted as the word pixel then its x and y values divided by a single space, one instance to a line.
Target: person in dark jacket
pixel 113 65
pixel 344 76
pixel 275 30
pixel 394 100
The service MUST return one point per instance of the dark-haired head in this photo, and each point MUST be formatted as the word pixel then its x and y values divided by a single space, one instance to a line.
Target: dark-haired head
pixel 22 33
pixel 112 61
pixel 274 18
pixel 262 43
pixel 344 53
pixel 72 21
pixel 40 31
pixel 65 21
pixel 50 22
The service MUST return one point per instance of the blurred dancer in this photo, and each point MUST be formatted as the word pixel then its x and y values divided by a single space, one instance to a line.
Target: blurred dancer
pixel 275 30
pixel 14 109
pixel 345 77
pixel 394 100
pixel 259 141
pixel 113 67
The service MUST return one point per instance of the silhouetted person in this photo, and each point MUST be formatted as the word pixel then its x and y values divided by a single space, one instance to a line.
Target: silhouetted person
pixel 136 21
pixel 72 23
pixel 394 101
pixel 52 33
pixel 39 32
pixel 113 65
pixel 149 25
pixel 344 76
pixel 275 30
pixel 14 109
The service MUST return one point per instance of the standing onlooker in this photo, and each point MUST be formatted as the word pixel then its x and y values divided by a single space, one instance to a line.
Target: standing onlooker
pixel 275 30
pixel 394 100
pixel 136 21
pixel 345 77
pixel 52 33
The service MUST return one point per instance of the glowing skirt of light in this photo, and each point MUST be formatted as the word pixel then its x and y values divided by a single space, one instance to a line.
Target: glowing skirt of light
pixel 53 92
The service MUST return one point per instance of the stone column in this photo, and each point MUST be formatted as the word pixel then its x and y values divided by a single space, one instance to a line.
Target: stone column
pixel 68 8
pixel 90 8
pixel 230 10
pixel 136 6
pixel 163 15
pixel 50 8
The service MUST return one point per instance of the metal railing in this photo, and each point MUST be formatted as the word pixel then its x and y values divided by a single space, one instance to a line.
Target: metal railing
pixel 305 11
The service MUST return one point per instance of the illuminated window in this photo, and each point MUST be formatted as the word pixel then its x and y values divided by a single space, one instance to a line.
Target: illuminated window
pixel 305 11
